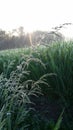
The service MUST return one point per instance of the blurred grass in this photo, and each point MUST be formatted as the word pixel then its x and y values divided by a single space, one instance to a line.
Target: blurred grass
pixel 56 60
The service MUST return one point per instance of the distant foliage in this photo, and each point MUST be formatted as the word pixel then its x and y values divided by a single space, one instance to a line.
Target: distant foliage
pixel 44 37
pixel 15 39
pixel 18 39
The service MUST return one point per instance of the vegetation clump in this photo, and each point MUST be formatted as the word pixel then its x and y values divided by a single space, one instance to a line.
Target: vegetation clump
pixel 32 73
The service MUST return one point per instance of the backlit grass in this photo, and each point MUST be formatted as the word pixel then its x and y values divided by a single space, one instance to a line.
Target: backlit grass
pixel 31 71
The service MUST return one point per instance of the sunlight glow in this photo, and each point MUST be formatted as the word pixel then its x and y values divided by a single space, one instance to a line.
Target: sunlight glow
pixel 35 14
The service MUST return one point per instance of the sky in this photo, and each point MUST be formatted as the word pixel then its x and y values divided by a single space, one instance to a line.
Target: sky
pixel 36 15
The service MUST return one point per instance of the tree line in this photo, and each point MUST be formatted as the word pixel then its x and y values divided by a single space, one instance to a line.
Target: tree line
pixel 17 38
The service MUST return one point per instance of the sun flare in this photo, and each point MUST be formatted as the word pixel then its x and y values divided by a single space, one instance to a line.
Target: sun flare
pixel 34 15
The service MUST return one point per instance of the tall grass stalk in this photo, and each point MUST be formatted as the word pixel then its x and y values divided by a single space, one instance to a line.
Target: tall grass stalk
pixel 22 69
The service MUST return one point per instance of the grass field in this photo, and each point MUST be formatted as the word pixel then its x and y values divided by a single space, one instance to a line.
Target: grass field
pixel 26 77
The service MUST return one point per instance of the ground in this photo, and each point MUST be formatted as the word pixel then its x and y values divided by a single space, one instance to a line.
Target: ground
pixel 47 108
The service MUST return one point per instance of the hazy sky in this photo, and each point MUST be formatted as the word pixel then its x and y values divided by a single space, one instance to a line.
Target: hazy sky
pixel 36 14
